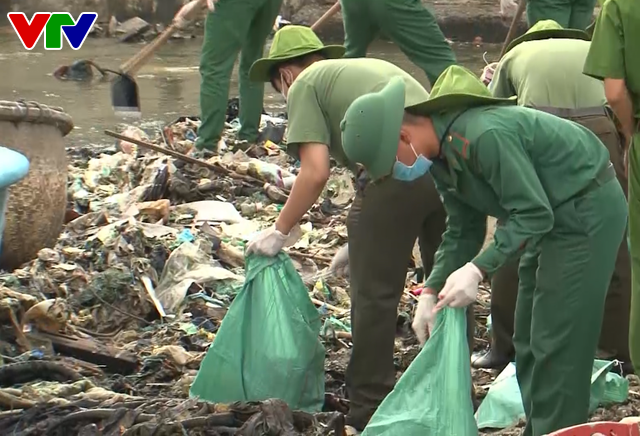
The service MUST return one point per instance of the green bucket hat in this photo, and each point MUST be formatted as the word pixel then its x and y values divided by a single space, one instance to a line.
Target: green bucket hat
pixel 547 29
pixel 288 43
pixel 371 125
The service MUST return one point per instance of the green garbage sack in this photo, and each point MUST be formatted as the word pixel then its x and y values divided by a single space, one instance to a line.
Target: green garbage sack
pixel 268 344
pixel 502 407
pixel 433 396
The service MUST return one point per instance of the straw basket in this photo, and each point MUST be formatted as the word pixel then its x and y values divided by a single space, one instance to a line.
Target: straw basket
pixel 37 204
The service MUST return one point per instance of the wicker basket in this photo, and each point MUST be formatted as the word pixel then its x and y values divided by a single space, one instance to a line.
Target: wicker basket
pixel 36 206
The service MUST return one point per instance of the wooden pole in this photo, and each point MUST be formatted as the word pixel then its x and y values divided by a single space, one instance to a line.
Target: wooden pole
pixel 326 16
pixel 514 25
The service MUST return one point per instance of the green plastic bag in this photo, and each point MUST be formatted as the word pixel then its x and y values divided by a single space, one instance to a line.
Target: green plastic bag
pixel 502 407
pixel 268 344
pixel 433 396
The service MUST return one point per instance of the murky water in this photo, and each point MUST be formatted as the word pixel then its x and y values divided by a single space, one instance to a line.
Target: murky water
pixel 169 84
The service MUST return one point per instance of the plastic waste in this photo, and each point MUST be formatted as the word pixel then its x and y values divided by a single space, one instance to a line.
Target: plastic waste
pixel 213 211
pixel 261 170
pixel 502 407
pixel 186 265
pixel 433 396
pixel 268 344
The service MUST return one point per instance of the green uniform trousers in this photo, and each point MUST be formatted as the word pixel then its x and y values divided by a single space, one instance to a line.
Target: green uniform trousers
pixel 571 14
pixel 382 231
pixel 236 26
pixel 563 285
pixel 634 247
pixel 407 23
pixel 614 336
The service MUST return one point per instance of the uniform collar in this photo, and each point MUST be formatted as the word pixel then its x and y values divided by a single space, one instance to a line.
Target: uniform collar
pixel 452 145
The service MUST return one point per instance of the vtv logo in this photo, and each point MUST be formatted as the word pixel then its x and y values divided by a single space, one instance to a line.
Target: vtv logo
pixel 53 25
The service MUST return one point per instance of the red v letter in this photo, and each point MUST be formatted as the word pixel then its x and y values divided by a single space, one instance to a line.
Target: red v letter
pixel 28 32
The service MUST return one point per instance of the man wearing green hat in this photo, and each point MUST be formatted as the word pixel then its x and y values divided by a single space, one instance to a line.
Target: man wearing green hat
pixel 572 14
pixel 408 23
pixel 550 184
pixel 319 86
pixel 234 26
pixel 613 58
pixel 565 92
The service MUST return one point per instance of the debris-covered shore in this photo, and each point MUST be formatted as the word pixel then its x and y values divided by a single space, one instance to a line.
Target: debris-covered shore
pixel 104 333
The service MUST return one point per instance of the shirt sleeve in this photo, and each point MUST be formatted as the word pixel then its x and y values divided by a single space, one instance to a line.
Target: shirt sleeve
pixel 507 168
pixel 306 121
pixel 606 53
pixel 462 239
pixel 501 86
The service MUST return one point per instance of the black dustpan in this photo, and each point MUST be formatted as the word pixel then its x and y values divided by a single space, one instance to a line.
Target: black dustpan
pixel 125 97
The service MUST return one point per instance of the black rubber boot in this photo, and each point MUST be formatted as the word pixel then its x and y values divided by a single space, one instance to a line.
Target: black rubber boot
pixel 490 360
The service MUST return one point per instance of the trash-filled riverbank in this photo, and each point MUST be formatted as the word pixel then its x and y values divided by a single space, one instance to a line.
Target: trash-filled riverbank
pixel 104 333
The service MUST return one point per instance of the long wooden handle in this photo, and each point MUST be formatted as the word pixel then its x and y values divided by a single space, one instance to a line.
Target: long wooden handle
pixel 173 153
pixel 514 25
pixel 326 16
pixel 133 65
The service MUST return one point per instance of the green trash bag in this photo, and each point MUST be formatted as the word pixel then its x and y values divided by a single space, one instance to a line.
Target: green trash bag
pixel 502 407
pixel 268 344
pixel 433 396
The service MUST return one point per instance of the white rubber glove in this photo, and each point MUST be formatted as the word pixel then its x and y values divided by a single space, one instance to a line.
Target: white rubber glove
pixel 340 263
pixel 425 318
pixel 487 73
pixel 508 8
pixel 268 242
pixel 461 287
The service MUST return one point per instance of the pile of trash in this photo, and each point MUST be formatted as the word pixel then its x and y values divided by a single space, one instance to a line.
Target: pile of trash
pixel 104 333
pixel 122 310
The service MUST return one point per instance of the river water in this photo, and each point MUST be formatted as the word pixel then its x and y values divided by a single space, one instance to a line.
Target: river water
pixel 169 84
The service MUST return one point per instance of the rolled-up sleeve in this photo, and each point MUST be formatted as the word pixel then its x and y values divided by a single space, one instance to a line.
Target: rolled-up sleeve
pixel 606 52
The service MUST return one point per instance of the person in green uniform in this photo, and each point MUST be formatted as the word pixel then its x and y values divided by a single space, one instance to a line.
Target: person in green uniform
pixel 613 59
pixel 570 14
pixel 549 182
pixel 319 87
pixel 408 23
pixel 234 26
pixel 544 69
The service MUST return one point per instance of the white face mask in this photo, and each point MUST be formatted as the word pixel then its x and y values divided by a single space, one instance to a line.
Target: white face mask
pixel 284 88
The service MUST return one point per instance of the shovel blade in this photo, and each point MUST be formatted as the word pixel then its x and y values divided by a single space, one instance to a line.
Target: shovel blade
pixel 125 98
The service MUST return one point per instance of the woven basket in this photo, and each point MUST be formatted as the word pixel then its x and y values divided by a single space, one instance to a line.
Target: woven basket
pixel 37 204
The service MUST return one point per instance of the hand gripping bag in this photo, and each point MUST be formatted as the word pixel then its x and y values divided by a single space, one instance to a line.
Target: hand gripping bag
pixel 268 344
pixel 433 396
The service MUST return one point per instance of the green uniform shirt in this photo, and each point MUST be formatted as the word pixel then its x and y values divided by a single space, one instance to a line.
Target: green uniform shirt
pixel 548 73
pixel 515 164
pixel 614 49
pixel 320 96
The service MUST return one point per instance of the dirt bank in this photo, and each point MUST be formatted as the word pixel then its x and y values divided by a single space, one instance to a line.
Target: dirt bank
pixel 460 20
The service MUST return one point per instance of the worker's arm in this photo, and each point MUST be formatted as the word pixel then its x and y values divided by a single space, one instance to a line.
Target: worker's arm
pixel 505 165
pixel 307 140
pixel 313 176
pixel 461 241
pixel 620 101
pixel 605 61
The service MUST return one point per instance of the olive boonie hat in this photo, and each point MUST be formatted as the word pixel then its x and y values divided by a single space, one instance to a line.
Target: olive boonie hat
pixel 291 42
pixel 371 125
pixel 547 29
